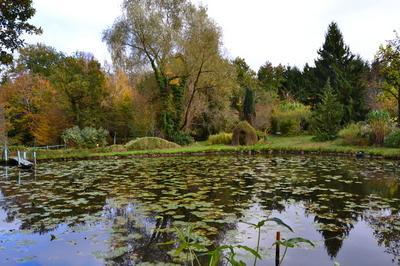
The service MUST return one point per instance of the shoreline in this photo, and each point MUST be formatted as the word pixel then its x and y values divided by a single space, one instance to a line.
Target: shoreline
pixel 298 145
pixel 246 151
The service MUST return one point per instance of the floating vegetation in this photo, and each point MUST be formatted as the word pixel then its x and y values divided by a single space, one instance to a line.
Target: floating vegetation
pixel 121 210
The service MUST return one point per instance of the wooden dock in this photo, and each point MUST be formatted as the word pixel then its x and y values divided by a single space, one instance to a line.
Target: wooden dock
pixel 20 160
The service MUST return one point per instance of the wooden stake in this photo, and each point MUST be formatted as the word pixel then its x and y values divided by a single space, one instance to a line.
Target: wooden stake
pixel 277 251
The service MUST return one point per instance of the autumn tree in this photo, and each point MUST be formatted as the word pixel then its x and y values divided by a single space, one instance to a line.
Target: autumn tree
pixel 129 111
pixel 14 16
pixel 180 44
pixel 32 113
pixel 388 59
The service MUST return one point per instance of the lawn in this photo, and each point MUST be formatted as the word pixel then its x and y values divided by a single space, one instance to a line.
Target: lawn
pixel 294 144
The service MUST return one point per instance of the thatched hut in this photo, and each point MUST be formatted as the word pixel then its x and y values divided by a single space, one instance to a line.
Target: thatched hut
pixel 244 134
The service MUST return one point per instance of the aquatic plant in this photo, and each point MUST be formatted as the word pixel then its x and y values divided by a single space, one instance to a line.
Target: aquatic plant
pixel 189 243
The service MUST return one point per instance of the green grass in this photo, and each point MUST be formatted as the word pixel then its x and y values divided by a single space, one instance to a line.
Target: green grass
pixel 273 144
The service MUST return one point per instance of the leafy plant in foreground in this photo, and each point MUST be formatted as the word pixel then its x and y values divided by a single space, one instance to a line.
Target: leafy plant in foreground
pixel 187 242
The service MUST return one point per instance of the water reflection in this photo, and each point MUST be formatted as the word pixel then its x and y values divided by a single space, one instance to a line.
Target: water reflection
pixel 137 203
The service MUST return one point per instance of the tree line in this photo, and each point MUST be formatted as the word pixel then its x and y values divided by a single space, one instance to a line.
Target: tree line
pixel 170 78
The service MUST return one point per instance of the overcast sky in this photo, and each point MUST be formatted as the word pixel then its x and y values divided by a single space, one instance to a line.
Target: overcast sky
pixel 280 31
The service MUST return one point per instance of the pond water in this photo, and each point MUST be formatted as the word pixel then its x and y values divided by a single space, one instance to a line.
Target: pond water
pixel 118 212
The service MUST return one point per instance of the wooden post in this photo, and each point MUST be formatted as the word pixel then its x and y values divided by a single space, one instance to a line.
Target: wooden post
pixel 115 138
pixel 34 158
pixel 277 251
pixel 5 154
pixel 19 158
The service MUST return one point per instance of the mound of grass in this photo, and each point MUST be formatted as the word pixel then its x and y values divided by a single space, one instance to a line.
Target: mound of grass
pixel 150 143
pixel 220 138
pixel 244 134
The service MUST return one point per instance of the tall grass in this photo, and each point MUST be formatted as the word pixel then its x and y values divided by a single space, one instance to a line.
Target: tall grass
pixel 221 138
pixel 290 118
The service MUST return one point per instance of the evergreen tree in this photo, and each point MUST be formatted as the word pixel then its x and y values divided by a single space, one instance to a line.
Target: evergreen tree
pixel 249 106
pixel 328 115
pixel 271 78
pixel 293 84
pixel 346 73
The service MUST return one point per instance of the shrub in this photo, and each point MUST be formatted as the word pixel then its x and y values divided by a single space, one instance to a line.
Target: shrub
pixel 327 116
pixel 392 140
pixel 150 143
pixel 221 138
pixel 356 134
pixel 85 138
pixel 244 134
pixel 379 121
pixel 290 118
pixel 182 138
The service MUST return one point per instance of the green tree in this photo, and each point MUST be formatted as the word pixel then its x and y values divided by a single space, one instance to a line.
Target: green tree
pixel 388 58
pixel 346 73
pixel 82 83
pixel 14 15
pixel 327 116
pixel 38 59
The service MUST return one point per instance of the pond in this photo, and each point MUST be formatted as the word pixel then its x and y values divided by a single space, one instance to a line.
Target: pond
pixel 120 212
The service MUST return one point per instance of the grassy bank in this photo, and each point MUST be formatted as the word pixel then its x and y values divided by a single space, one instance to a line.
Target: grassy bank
pixel 297 144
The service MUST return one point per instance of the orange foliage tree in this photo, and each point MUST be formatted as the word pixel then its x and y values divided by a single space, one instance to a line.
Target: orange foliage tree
pixel 33 111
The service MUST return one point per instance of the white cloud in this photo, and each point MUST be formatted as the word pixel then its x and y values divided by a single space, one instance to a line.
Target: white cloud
pixel 75 25
pixel 284 31
pixel 291 31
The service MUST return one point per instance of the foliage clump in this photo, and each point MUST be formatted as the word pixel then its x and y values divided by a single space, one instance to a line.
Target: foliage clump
pixel 87 137
pixel 220 138
pixel 150 143
pixel 392 140
pixel 14 23
pixel 356 134
pixel 327 117
pixel 290 118
pixel 244 134
pixel 379 121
